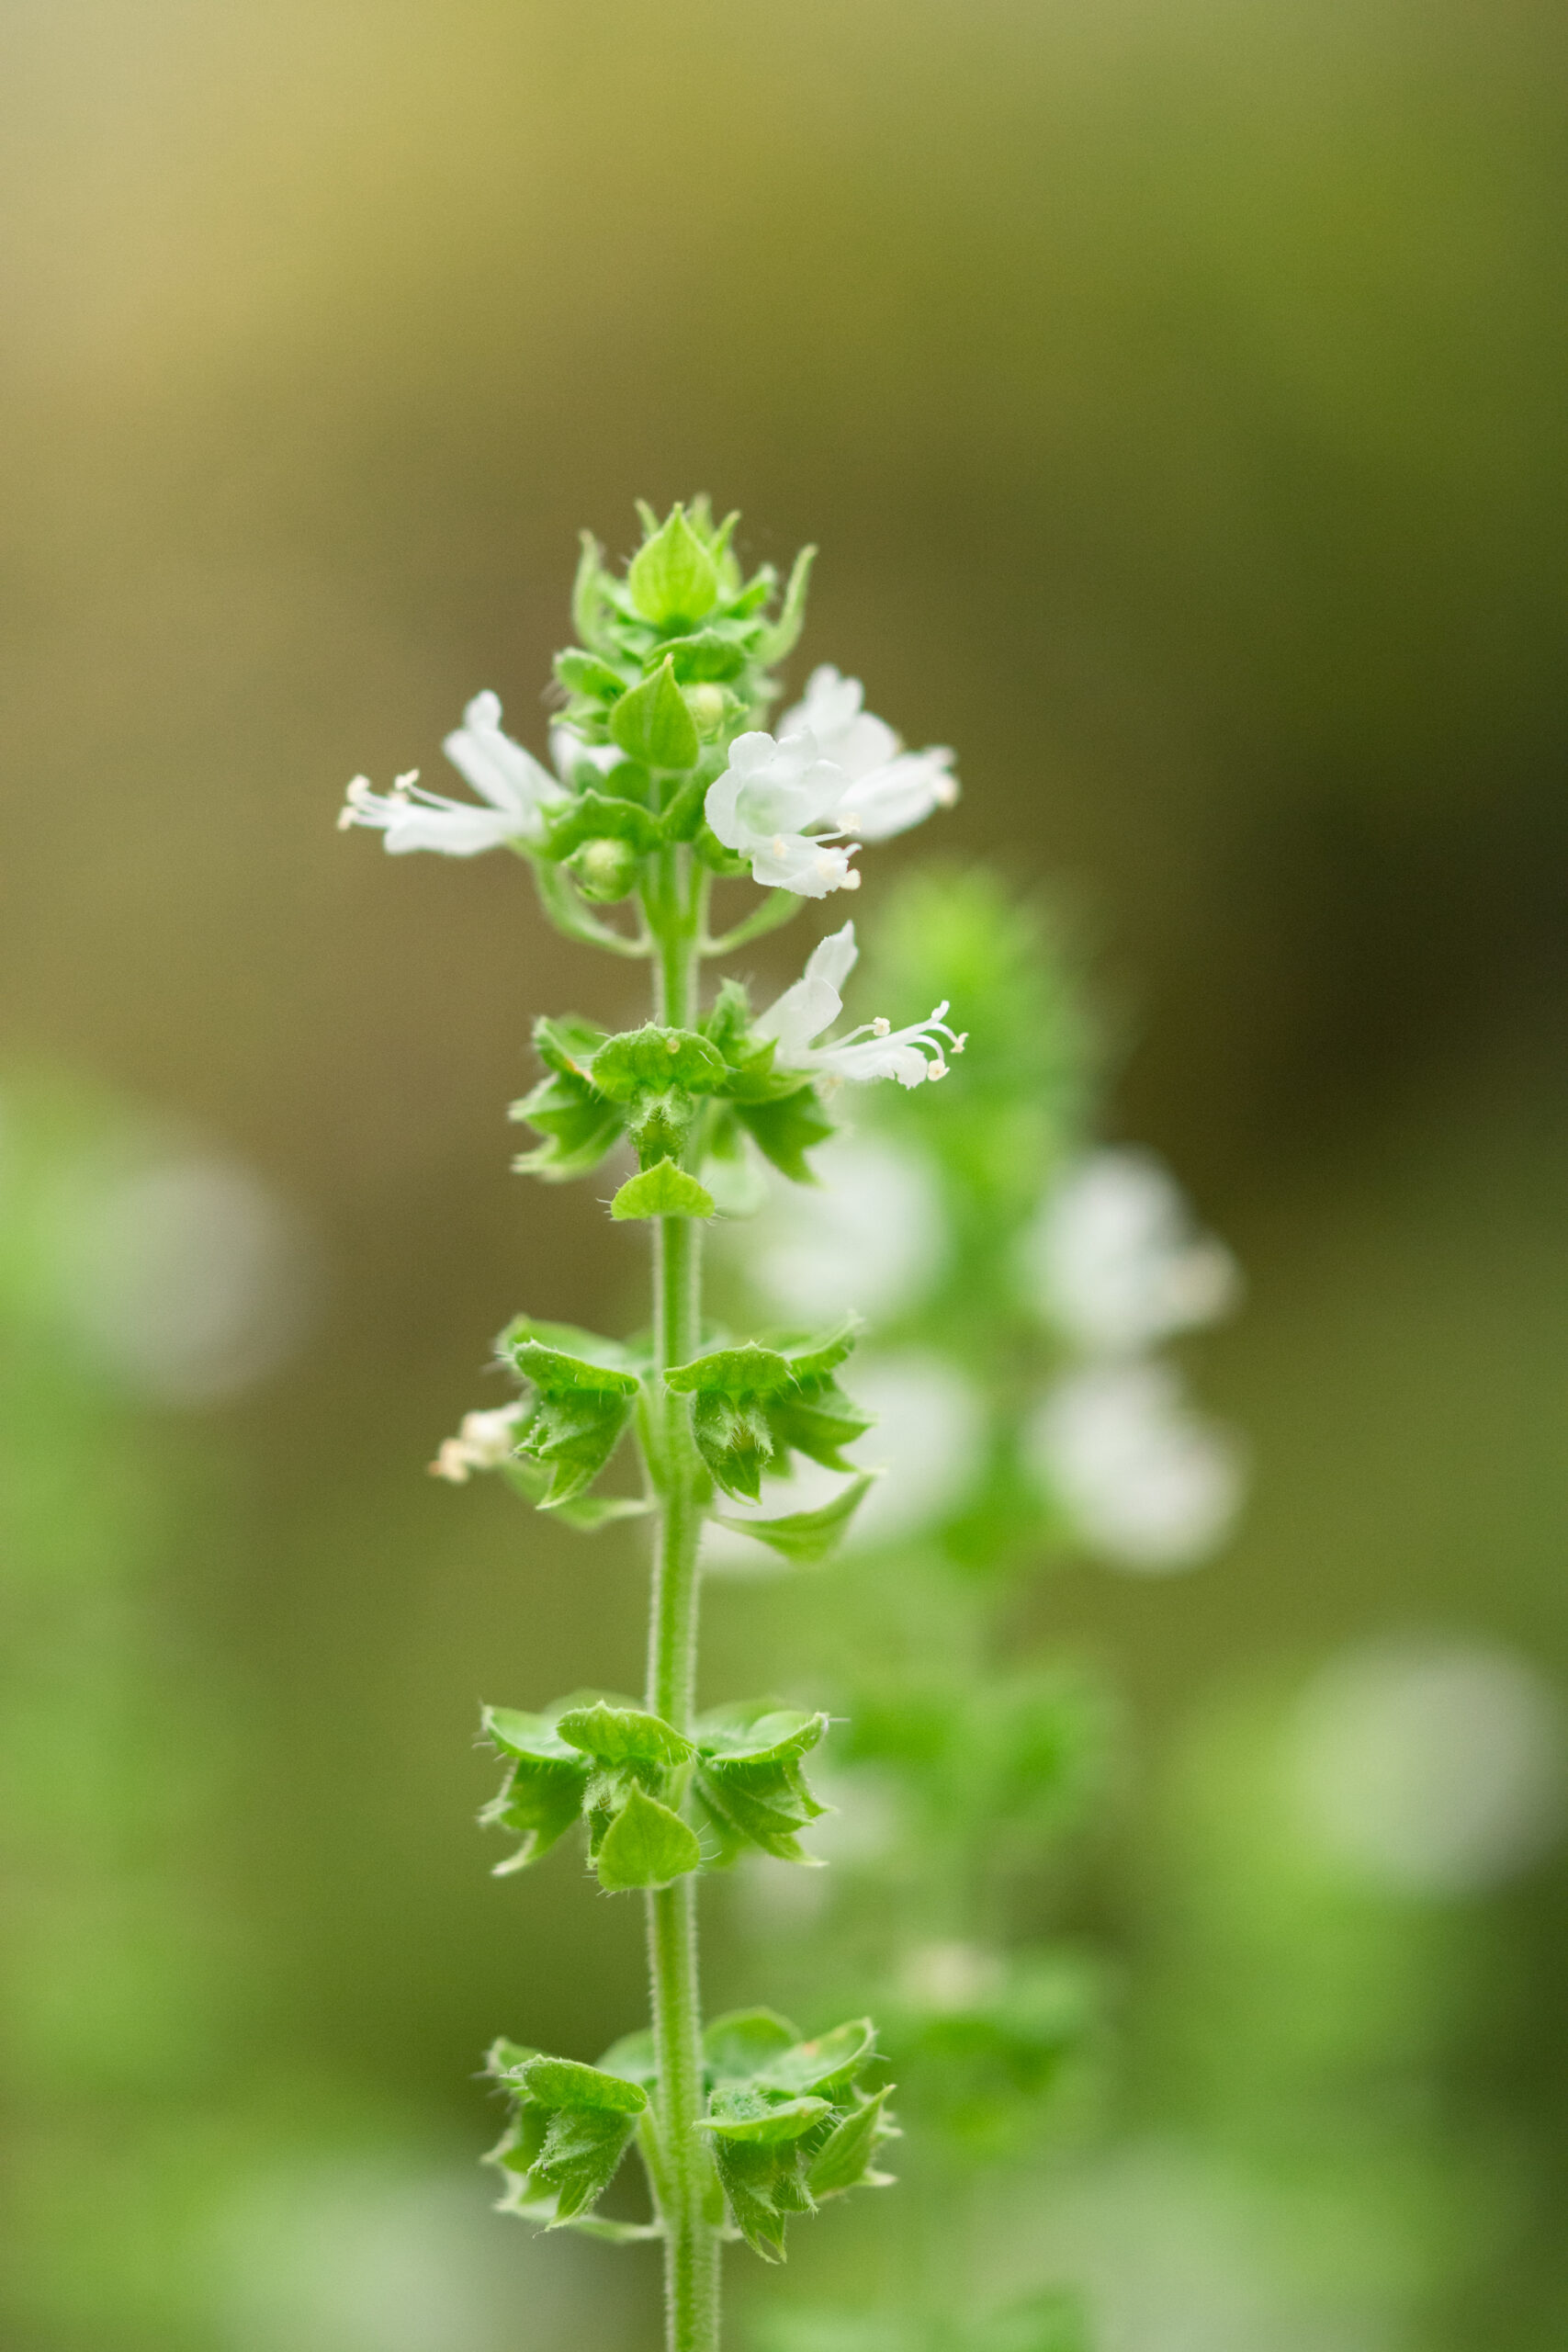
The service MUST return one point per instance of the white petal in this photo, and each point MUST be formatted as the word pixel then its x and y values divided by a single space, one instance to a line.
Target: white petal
pixel 890 797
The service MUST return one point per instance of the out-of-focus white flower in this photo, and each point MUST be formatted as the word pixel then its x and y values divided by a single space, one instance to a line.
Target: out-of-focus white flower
pixel 873 1050
pixel 889 789
pixel 188 1278
pixel 484 1440
pixel 1150 1485
pixel 518 791
pixel 1117 1262
pixel 948 1976
pixel 762 805
pixel 872 1231
pixel 1429 1767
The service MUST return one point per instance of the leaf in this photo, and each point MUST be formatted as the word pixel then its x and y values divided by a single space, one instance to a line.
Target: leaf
pixel 749 1371
pixel 844 2159
pixel 784 636
pixel 645 1844
pixel 818 1422
pixel 563 2082
pixel 808 1536
pixel 622 1735
pixel 745 2115
pixel 708 655
pixel 542 1795
pixel 576 1431
pixel 651 1057
pixel 672 579
pixel 584 673
pixel 742 2041
pixel 590 1512
pixel 749 1779
pixel 762 2187
pixel 830 2058
pixel 734 1439
pixel 661 1191
pixel 572 2127
pixel 561 1371
pixel 566 1043
pixel 578 1125
pixel 652 723
pixel 785 1130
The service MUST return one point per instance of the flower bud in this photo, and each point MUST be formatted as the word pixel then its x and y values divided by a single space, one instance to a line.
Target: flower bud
pixel 708 704
pixel 604 869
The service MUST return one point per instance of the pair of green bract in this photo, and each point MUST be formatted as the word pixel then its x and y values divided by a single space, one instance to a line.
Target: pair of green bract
pixel 675 1094
pixel 790 2122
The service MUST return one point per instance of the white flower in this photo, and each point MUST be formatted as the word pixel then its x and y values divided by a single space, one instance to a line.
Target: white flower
pixel 889 789
pixel 1116 1260
pixel 518 791
pixel 764 800
pixel 872 1229
pixel 873 1050
pixel 1149 1484
pixel 484 1441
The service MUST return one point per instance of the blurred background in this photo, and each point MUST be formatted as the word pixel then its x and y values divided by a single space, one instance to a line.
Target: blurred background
pixel 1175 392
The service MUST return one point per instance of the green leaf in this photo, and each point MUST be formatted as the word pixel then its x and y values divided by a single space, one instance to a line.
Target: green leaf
pixel 645 1844
pixel 576 1431
pixel 749 1779
pixel 578 1126
pixel 622 1735
pixel 567 1042
pixel 542 1795
pixel 785 1130
pixel 661 1191
pixel 844 2159
pixel 763 2185
pixel 590 1512
pixel 735 1442
pixel 808 1536
pixel 584 673
pixel 652 1057
pixel 710 655
pixel 784 634
pixel 747 1370
pixel 741 2042
pixel 831 2059
pixel 592 1350
pixel 672 579
pixel 652 723
pixel 563 2082
pixel 744 2114
pixel 818 1421
pixel 557 1373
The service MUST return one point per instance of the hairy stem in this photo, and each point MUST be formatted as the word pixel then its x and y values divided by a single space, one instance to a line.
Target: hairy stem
pixel 691 2240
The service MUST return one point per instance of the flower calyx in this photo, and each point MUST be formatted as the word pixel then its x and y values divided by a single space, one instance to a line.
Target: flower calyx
pixel 791 2121
pixel 752 1405
pixel 605 1760
pixel 571 2127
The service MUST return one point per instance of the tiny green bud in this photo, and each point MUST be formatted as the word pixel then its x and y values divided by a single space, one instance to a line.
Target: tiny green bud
pixel 707 705
pixel 604 869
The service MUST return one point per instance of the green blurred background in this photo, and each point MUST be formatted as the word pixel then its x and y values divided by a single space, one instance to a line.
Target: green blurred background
pixel 1176 393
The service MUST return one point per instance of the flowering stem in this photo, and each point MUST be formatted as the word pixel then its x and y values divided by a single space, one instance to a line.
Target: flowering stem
pixel 691 2243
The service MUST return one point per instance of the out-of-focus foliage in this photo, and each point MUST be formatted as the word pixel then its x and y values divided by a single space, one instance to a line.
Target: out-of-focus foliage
pixel 1181 390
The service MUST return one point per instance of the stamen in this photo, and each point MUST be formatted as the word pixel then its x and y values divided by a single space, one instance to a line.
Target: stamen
pixel 881 1026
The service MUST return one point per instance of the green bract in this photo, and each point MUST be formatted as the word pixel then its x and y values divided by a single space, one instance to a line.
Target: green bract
pixel 788 2119
pixel 752 1405
pixel 610 1764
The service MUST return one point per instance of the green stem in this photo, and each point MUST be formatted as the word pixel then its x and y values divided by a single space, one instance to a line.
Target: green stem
pixel 691 2239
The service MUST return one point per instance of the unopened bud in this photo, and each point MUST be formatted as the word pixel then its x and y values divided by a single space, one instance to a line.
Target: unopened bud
pixel 604 869
pixel 707 705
